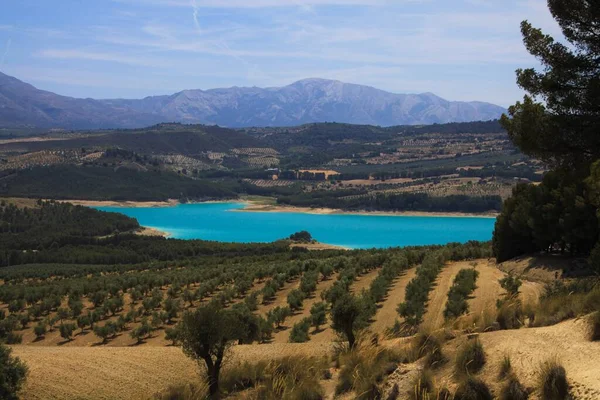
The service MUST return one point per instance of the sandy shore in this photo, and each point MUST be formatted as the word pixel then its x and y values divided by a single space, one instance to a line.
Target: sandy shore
pixel 318 246
pixel 145 231
pixel 254 207
pixel 110 203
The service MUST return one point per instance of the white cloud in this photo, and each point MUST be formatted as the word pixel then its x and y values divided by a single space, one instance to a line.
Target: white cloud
pixel 75 54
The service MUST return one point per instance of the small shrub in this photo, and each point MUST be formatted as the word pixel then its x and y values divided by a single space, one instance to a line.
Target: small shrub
pixel 470 359
pixel 318 314
pixel 299 332
pixel 14 338
pixel 552 381
pixel 66 331
pixel 511 284
pixel 513 390
pixel 40 330
pixel 473 389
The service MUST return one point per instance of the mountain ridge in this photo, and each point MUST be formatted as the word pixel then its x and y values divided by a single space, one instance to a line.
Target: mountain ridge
pixel 304 101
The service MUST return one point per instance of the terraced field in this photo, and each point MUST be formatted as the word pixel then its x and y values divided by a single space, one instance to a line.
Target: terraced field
pixel 121 369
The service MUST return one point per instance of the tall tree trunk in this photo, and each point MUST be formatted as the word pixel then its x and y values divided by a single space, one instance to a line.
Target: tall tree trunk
pixel 213 382
pixel 351 338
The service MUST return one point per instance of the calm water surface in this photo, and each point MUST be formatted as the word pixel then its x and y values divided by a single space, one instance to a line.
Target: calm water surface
pixel 220 222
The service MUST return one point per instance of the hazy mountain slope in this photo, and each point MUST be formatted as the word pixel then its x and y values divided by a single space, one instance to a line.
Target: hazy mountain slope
pixel 309 100
pixel 22 104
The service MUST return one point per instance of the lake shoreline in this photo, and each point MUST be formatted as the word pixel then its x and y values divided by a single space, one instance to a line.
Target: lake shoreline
pixel 254 206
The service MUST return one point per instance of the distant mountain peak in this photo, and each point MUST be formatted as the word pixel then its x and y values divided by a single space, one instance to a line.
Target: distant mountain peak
pixel 304 101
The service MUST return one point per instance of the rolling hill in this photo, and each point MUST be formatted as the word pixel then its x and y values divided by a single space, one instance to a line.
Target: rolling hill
pixel 305 101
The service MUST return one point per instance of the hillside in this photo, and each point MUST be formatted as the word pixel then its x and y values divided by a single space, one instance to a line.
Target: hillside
pixel 305 101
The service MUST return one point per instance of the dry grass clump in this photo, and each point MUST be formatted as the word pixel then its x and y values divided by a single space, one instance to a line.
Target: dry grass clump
pixel 482 322
pixel 429 345
pixel 423 386
pixel 552 381
pixel 510 314
pixel 363 369
pixel 238 377
pixel 473 389
pixel 566 302
pixel 505 367
pixel 291 378
pixel 513 390
pixel 470 358
pixel 184 392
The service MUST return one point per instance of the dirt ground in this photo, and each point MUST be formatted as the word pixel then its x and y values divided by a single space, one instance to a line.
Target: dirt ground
pixel 82 369
pixel 65 373
pixel 386 314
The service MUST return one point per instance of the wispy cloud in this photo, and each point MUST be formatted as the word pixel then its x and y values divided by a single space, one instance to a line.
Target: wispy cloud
pixel 263 3
pixel 74 54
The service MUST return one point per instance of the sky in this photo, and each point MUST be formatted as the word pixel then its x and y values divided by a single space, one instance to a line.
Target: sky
pixel 457 49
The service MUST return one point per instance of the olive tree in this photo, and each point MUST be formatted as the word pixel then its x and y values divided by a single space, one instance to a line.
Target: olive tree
pixel 12 374
pixel 344 315
pixel 206 334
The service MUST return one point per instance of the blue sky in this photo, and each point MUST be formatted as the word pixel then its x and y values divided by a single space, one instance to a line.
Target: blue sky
pixel 458 49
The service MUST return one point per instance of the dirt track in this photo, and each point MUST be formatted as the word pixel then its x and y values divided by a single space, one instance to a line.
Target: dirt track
pixel 387 314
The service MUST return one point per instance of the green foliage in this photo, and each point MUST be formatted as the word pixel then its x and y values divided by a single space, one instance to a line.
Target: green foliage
pixel 205 336
pixel 562 127
pixel 302 236
pixel 104 332
pixel 352 201
pixel 344 316
pixel 470 358
pixel 559 124
pixel 66 331
pixel 102 183
pixel 299 332
pixel 13 373
pixel 552 381
pixel 40 330
pixel 511 284
pixel 278 315
pixel 462 287
pixel 417 290
pixel 295 299
pixel 318 314
pixel 173 334
pixel 553 215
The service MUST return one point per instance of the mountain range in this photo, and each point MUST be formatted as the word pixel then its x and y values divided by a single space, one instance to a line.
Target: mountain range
pixel 305 101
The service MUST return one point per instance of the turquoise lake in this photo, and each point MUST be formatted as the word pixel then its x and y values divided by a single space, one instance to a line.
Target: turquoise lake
pixel 220 222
